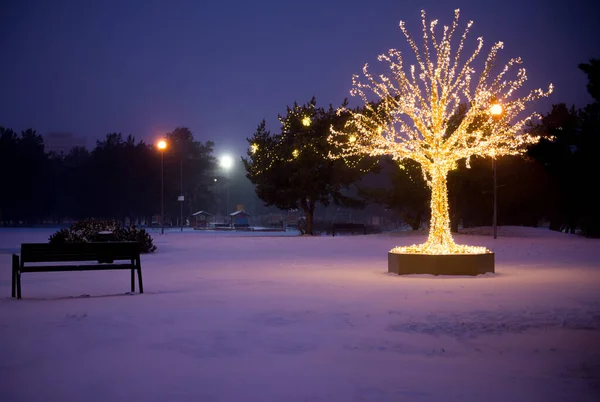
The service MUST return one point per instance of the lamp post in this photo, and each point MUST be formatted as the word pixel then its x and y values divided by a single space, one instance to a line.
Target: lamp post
pixel 496 111
pixel 495 217
pixel 162 145
pixel 180 198
pixel 226 163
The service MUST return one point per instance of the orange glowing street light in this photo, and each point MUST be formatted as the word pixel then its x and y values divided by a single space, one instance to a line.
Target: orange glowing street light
pixel 496 110
pixel 162 145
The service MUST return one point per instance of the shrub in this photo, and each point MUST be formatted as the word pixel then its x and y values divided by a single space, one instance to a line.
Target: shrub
pixel 66 236
pixel 87 230
pixel 132 233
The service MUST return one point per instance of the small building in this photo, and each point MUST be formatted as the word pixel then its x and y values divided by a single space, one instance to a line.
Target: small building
pixel 240 219
pixel 202 220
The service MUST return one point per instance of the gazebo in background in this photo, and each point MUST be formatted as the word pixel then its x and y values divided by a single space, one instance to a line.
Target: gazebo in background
pixel 202 220
pixel 239 219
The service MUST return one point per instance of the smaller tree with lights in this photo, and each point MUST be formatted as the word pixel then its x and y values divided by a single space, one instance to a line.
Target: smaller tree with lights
pixel 415 109
pixel 291 170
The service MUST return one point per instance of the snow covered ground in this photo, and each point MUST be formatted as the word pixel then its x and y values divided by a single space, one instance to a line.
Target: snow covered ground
pixel 274 317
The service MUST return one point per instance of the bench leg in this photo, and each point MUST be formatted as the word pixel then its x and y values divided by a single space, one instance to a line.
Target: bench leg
pixel 15 267
pixel 132 280
pixel 139 272
pixel 18 275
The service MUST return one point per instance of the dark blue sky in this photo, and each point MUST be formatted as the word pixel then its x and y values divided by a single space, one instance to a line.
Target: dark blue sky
pixel 143 67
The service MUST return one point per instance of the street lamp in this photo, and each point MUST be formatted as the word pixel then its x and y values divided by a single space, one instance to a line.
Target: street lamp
pixel 162 145
pixel 496 110
pixel 226 163
pixel 181 196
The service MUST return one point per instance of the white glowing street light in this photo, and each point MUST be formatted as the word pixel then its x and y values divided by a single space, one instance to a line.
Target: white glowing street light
pixel 226 163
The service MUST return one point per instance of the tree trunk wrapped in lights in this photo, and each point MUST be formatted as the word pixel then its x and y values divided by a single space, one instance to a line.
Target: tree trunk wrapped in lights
pixel 415 118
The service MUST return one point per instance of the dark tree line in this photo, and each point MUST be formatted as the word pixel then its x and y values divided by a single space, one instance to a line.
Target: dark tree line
pixel 24 169
pixel 119 178
pixel 556 181
pixel 569 154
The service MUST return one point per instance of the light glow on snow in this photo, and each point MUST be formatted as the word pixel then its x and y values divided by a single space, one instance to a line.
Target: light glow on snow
pixel 274 317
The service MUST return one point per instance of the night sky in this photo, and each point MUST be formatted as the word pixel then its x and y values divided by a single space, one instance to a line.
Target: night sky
pixel 144 67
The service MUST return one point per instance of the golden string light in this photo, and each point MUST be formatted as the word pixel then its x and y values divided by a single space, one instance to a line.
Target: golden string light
pixel 301 125
pixel 412 118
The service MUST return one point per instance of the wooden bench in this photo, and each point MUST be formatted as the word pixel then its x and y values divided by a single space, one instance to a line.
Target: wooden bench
pixel 348 227
pixel 105 253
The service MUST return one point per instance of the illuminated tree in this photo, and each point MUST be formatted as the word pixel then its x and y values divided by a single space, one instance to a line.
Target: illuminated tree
pixel 411 118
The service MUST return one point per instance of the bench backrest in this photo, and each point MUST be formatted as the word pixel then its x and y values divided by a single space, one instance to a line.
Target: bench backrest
pixel 46 252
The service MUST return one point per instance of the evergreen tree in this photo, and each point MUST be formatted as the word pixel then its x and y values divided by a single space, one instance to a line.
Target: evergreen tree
pixel 291 170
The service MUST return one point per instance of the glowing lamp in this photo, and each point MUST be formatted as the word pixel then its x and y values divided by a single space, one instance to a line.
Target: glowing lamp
pixel 226 162
pixel 162 145
pixel 496 109
pixel 306 121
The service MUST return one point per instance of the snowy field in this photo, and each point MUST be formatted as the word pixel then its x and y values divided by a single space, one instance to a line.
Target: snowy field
pixel 273 317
